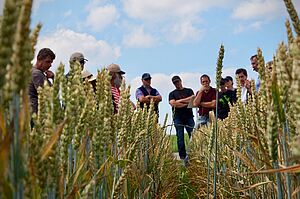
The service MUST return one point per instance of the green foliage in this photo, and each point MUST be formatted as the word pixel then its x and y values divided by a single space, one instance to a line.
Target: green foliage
pixel 259 138
pixel 173 142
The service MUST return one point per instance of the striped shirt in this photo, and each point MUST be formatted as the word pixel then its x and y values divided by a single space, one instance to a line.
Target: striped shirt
pixel 116 96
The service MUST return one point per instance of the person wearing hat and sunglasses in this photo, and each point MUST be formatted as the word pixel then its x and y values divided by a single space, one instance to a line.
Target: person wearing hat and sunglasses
pixel 77 57
pixel 146 93
pixel 116 80
pixel 182 115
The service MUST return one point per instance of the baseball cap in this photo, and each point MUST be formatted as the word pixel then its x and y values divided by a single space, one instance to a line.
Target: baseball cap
pixel 86 74
pixel 146 76
pixel 77 56
pixel 115 68
pixel 228 78
pixel 175 78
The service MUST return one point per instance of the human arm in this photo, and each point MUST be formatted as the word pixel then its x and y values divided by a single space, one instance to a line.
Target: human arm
pixel 141 98
pixel 156 99
pixel 198 97
pixel 49 74
pixel 177 104
pixel 186 100
pixel 211 104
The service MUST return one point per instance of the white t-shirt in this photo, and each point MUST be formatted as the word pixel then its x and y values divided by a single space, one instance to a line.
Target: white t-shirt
pixel 244 94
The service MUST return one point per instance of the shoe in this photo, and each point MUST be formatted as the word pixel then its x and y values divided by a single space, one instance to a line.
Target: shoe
pixel 186 161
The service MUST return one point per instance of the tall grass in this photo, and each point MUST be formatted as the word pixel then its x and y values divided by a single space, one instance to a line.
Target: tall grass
pixel 257 150
pixel 78 148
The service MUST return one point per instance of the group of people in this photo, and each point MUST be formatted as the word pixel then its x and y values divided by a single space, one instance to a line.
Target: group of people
pixel 181 99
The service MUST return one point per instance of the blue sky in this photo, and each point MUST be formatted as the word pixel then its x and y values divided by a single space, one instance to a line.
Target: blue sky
pixel 162 37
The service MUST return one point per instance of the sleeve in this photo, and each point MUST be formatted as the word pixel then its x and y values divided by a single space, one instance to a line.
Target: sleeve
pixel 38 80
pixel 171 96
pixel 157 93
pixel 138 94
pixel 191 92
pixel 214 94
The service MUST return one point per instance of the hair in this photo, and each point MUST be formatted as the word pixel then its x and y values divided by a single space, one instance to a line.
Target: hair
pixel 253 56
pixel 44 53
pixel 204 76
pixel 241 70
pixel 222 81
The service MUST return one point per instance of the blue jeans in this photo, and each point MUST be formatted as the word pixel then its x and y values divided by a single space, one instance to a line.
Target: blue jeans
pixel 180 124
pixel 202 120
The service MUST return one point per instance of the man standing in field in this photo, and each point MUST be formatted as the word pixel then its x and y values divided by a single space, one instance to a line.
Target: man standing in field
pixel 205 100
pixel 146 93
pixel 245 84
pixel 39 74
pixel 182 115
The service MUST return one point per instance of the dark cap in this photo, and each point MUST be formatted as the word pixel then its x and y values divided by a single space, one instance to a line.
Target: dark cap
pixel 146 76
pixel 228 78
pixel 175 78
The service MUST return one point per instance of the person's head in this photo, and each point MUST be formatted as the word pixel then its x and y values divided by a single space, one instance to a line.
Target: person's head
pixel 116 75
pixel 177 82
pixel 222 85
pixel 45 58
pixel 242 75
pixel 205 81
pixel 228 82
pixel 254 62
pixel 146 79
pixel 77 56
pixel 85 74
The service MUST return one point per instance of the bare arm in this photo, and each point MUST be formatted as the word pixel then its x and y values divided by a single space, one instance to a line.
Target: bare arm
pixel 197 99
pixel 211 104
pixel 156 99
pixel 186 100
pixel 177 104
pixel 144 99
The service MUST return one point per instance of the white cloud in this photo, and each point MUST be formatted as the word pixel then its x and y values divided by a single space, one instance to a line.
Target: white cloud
pixel 101 16
pixel 258 9
pixel 183 32
pixel 138 39
pixel 158 10
pixel 64 42
pixel 68 13
pixel 176 20
pixel 252 26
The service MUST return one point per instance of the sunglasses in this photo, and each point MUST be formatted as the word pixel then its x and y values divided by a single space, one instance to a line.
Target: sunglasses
pixel 82 62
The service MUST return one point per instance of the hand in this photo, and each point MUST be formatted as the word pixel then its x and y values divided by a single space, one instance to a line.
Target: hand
pixel 203 89
pixel 49 74
pixel 247 84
